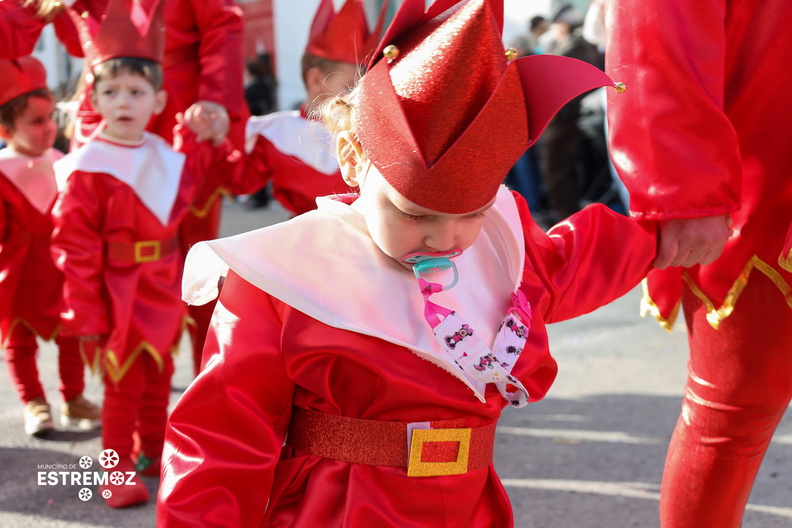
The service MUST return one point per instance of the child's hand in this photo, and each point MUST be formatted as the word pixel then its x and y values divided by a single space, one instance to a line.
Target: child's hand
pixel 207 120
pixel 689 241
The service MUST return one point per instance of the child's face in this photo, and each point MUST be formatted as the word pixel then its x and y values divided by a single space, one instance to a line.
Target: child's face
pixel 34 129
pixel 399 227
pixel 127 102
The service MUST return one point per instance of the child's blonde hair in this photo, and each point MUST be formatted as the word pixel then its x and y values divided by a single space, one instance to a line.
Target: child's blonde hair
pixel 338 114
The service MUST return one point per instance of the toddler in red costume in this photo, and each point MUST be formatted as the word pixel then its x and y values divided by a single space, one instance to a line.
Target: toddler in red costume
pixel 123 197
pixel 361 354
pixel 293 149
pixel 30 285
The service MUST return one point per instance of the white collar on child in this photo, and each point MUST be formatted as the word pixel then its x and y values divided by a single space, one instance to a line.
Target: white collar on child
pixel 304 139
pixel 325 264
pixel 33 176
pixel 151 167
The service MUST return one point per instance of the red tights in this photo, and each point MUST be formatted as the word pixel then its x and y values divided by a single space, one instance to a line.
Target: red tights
pixel 135 408
pixel 20 356
pixel 739 385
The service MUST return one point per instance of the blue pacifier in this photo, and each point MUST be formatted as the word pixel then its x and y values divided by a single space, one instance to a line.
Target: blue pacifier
pixel 428 263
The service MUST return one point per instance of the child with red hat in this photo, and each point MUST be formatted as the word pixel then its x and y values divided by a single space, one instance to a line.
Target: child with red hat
pixel 292 148
pixel 30 285
pixel 361 354
pixel 123 197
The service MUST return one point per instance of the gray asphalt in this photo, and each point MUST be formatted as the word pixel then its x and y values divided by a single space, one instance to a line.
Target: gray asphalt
pixel 589 455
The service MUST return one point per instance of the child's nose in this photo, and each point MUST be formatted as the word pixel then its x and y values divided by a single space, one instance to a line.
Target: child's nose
pixel 441 238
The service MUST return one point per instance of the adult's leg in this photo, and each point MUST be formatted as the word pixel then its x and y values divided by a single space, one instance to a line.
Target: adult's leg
pixel 739 385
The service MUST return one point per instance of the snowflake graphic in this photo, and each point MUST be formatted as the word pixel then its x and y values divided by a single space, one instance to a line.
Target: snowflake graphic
pixel 108 458
pixel 106 493
pixel 86 462
pixel 85 494
pixel 117 478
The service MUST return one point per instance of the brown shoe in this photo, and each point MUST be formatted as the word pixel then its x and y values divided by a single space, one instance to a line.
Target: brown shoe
pixel 38 417
pixel 81 413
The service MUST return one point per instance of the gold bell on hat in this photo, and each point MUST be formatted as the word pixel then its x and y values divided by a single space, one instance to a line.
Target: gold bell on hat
pixel 620 87
pixel 511 54
pixel 390 52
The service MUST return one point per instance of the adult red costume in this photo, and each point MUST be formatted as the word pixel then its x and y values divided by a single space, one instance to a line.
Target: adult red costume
pixel 321 335
pixel 203 61
pixel 696 135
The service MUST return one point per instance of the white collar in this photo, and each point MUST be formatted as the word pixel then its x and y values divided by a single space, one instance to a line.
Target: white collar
pixel 307 140
pixel 32 175
pixel 151 167
pixel 328 267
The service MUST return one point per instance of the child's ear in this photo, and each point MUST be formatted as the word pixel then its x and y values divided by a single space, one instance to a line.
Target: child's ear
pixel 350 155
pixel 6 133
pixel 160 100
pixel 314 82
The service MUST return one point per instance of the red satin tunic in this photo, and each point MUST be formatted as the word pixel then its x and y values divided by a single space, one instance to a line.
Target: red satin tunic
pixel 224 464
pixel 136 307
pixel 701 129
pixel 30 284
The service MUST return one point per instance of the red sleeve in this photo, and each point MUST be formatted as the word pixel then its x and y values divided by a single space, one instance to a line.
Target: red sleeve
pixel 225 434
pixel 592 258
pixel 257 168
pixel 77 247
pixel 670 138
pixel 20 28
pixel 220 27
pixel 67 34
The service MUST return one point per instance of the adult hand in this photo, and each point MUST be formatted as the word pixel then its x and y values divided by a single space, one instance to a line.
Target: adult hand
pixel 689 241
pixel 207 120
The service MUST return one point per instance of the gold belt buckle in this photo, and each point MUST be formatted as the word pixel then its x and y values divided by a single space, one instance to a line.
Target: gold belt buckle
pixel 418 468
pixel 141 253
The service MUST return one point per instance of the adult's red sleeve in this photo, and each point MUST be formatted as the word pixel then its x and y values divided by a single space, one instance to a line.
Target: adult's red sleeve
pixel 670 138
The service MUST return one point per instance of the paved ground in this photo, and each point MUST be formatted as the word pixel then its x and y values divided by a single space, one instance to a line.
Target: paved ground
pixel 589 456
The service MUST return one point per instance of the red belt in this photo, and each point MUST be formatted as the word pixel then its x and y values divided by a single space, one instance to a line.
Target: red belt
pixel 24 238
pixel 435 448
pixel 142 250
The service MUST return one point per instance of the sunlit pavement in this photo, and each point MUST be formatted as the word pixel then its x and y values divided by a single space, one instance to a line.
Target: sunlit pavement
pixel 590 455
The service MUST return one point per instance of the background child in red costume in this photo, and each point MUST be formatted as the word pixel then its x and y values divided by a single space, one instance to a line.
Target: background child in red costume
pixel 30 285
pixel 384 379
pixel 292 149
pixel 203 65
pixel 123 198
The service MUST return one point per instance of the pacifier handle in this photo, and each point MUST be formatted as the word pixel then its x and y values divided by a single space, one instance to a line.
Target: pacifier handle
pixel 427 263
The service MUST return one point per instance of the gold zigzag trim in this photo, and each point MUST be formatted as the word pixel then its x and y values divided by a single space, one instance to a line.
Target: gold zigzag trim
pixel 649 307
pixel 716 315
pixel 117 371
pixel 20 320
pixel 201 212
pixel 786 261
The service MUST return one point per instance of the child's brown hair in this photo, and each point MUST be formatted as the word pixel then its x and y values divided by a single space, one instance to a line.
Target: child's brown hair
pixel 326 66
pixel 14 108
pixel 111 68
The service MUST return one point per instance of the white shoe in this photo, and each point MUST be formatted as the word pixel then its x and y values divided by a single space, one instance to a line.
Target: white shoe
pixel 38 417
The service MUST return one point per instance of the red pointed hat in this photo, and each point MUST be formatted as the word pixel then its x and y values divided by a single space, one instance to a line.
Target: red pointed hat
pixel 445 113
pixel 21 76
pixel 125 30
pixel 344 36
